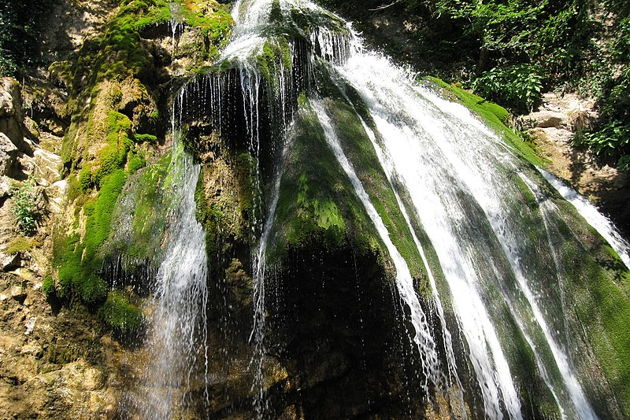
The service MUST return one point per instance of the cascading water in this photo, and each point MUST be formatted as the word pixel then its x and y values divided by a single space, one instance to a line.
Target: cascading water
pixel 440 143
pixel 491 277
pixel 593 216
pixel 177 334
pixel 423 337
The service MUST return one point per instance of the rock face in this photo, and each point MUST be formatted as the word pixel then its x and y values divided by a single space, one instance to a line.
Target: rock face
pixel 52 365
pixel 54 362
pixel 552 129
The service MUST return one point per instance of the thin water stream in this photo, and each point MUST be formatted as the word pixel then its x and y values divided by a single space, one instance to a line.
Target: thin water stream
pixel 463 186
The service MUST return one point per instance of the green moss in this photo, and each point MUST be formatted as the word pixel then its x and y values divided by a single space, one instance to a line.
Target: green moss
pixel 527 196
pixel 275 52
pixel 136 161
pixel 217 26
pixel 599 293
pixel 77 261
pixel 48 286
pixel 495 117
pixel 148 222
pixel 120 315
pixel 21 244
pixel 99 212
pixel 141 138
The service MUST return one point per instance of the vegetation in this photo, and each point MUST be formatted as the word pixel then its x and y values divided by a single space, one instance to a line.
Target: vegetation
pixel 114 79
pixel 25 207
pixel 21 23
pixel 120 315
pixel 21 244
pixel 509 51
pixel 495 116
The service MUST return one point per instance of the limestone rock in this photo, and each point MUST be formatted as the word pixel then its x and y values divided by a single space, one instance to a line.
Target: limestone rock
pixel 553 128
pixel 10 98
pixel 8 155
pixel 5 187
pixel 11 115
pixel 47 166
pixel 545 119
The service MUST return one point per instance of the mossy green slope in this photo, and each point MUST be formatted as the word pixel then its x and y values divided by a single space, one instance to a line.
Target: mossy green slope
pixel 114 132
pixel 495 116
pixel 598 286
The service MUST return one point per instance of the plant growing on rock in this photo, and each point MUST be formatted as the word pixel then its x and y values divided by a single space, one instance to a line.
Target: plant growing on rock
pixel 25 207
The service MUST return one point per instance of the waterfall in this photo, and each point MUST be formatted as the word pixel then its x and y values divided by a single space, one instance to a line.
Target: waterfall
pixel 491 277
pixel 452 154
pixel 423 337
pixel 593 216
pixel 176 351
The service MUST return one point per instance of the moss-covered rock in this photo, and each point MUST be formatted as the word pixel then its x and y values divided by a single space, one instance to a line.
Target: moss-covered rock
pixel 120 315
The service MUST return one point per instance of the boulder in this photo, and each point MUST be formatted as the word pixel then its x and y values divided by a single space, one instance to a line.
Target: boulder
pixel 8 155
pixel 11 115
pixel 546 119
pixel 5 187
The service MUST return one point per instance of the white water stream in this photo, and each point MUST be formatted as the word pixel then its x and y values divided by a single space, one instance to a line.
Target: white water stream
pixel 178 331
pixel 593 216
pixel 460 179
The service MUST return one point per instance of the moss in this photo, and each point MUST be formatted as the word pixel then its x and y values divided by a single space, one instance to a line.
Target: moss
pixel 48 286
pixel 495 117
pixel 360 151
pixel 599 295
pixel 99 212
pixel 141 138
pixel 149 207
pixel 316 199
pixel 136 161
pixel 77 261
pixel 216 25
pixel 526 194
pixel 21 244
pixel 120 315
pixel 275 52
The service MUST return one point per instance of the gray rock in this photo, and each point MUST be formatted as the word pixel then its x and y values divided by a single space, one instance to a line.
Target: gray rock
pixel 546 119
pixel 8 260
pixel 11 114
pixel 8 155
pixel 5 187
pixel 10 98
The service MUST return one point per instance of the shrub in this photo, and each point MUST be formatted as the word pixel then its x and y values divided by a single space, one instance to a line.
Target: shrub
pixel 25 208
pixel 518 87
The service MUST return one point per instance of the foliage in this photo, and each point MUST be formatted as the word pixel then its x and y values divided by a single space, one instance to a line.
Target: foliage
pixel 48 286
pixel 610 140
pixel 25 207
pixel 519 85
pixel 21 24
pixel 610 83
